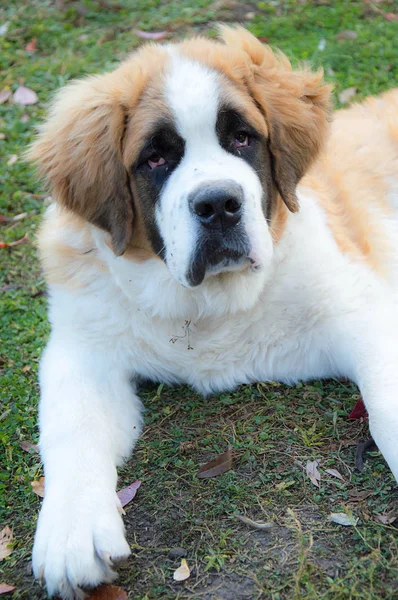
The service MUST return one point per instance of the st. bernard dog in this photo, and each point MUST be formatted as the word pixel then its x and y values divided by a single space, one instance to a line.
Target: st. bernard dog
pixel 200 185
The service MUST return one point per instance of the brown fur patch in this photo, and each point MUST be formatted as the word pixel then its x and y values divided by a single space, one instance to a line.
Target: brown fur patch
pixel 351 178
pixel 80 146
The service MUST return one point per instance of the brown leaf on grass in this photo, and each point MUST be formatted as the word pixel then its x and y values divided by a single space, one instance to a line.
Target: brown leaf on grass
pixel 4 588
pixel 356 496
pixel 107 592
pixel 24 96
pixel 38 487
pixel 151 35
pixel 346 95
pixel 5 95
pixel 6 537
pixel 335 473
pixel 26 368
pixel 187 445
pixel 16 243
pixel 183 571
pixel 313 473
pixel 12 160
pixel 127 494
pixel 254 524
pixel 5 219
pixel 219 465
pixel 385 519
pixel 347 34
pixel 31 47
pixel 29 447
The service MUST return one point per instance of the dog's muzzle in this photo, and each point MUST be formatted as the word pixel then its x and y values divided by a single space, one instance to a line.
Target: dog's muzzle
pixel 222 244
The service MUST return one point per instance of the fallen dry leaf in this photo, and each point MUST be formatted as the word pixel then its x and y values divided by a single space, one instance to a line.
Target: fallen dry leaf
pixel 107 592
pixel 313 473
pixel 356 496
pixel 26 368
pixel 254 524
pixel 335 473
pixel 127 494
pixel 183 572
pixel 16 243
pixel 391 17
pixel 343 519
pixel 385 519
pixel 359 411
pixel 4 588
pixel 29 447
pixel 24 96
pixel 6 537
pixel 151 35
pixel 5 95
pixel 347 34
pixel 283 485
pixel 31 46
pixel 4 219
pixel 219 465
pixel 38 487
pixel 346 95
pixel 12 160
pixel 187 445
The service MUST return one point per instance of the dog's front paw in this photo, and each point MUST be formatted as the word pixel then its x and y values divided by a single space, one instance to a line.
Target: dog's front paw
pixel 76 542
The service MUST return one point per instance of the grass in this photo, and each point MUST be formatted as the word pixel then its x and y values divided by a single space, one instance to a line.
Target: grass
pixel 273 429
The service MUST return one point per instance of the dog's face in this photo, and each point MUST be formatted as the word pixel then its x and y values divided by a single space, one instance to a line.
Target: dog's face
pixel 189 153
pixel 203 176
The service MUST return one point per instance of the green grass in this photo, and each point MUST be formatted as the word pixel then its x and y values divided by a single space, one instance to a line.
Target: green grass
pixel 273 429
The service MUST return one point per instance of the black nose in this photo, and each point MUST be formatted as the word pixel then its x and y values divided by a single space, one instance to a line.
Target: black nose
pixel 218 205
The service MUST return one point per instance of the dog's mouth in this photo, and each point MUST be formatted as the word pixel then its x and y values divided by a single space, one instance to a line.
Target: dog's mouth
pixel 212 257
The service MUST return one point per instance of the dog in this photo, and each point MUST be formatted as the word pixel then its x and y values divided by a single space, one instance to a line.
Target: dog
pixel 206 185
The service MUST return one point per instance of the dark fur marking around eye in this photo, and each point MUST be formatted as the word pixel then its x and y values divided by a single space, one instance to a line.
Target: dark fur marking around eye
pixel 229 124
pixel 165 142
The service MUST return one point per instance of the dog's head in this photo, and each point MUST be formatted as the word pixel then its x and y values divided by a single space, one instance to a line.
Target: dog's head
pixel 188 153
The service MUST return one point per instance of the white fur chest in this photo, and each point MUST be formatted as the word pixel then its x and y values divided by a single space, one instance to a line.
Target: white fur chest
pixel 201 336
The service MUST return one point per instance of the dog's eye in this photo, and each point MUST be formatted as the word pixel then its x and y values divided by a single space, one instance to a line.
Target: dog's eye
pixel 155 160
pixel 241 139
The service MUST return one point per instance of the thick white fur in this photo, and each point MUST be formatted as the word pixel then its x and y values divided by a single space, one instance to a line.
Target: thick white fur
pixel 309 312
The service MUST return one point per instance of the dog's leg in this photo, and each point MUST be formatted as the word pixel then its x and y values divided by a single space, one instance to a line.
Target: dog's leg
pixel 379 388
pixel 89 421
pixel 370 355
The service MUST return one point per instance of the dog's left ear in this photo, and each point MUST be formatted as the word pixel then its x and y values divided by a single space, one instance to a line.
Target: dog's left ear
pixel 295 104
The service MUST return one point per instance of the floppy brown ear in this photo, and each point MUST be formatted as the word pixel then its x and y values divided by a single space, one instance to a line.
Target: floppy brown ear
pixel 296 106
pixel 78 152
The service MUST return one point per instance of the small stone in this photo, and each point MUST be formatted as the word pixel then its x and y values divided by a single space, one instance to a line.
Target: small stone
pixel 177 553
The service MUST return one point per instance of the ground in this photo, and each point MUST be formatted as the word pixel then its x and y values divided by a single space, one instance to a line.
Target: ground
pixel 273 430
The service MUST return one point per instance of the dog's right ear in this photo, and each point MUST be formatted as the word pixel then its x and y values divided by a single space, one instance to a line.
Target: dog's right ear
pixel 79 153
